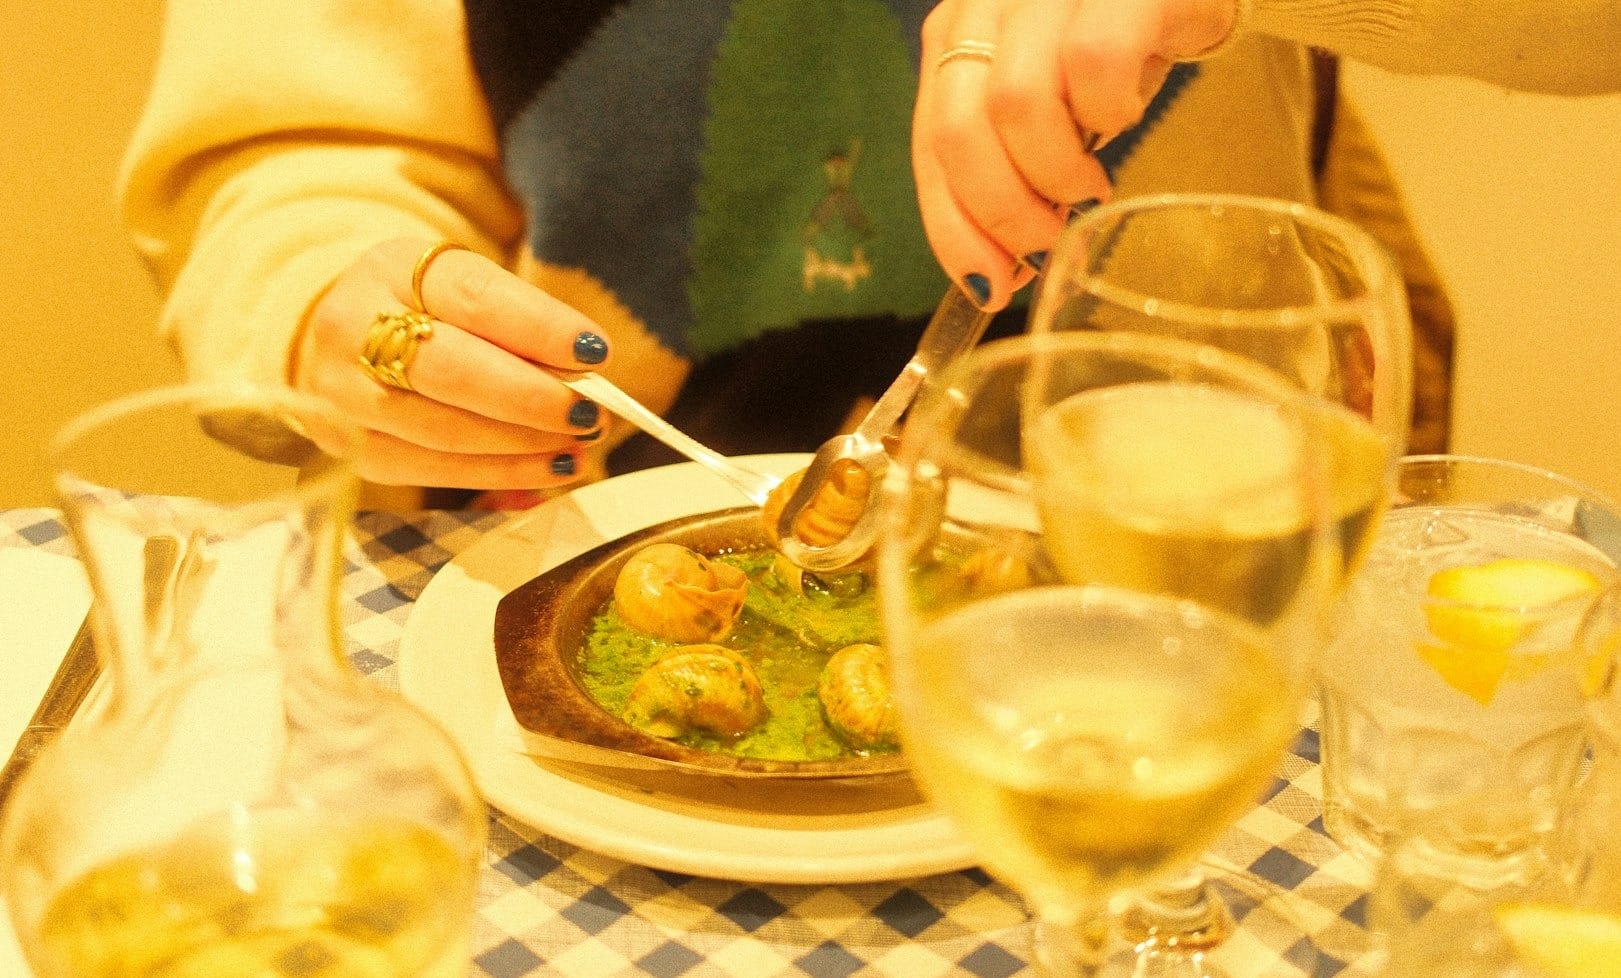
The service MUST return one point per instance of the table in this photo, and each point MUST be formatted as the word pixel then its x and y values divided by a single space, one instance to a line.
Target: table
pixel 547 908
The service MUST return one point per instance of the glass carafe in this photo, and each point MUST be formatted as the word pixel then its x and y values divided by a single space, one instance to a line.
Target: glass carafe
pixel 237 799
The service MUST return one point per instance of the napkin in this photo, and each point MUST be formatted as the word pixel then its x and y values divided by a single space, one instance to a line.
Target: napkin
pixel 43 598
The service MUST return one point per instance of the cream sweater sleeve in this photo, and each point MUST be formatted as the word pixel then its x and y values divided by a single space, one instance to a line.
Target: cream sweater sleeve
pixel 283 139
pixel 1569 47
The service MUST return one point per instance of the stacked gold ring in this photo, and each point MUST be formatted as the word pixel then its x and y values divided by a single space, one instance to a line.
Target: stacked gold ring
pixel 392 341
pixel 391 345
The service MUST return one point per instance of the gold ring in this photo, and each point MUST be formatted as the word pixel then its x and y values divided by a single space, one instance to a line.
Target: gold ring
pixel 981 50
pixel 391 345
pixel 422 269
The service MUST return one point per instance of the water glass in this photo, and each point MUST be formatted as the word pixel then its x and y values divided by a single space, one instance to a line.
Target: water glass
pixel 1454 695
pixel 1430 925
pixel 1589 860
pixel 1543 924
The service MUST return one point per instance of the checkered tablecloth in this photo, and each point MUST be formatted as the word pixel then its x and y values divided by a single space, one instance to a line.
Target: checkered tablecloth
pixel 547 908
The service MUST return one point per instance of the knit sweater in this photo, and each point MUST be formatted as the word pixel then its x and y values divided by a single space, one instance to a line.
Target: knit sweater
pixel 724 187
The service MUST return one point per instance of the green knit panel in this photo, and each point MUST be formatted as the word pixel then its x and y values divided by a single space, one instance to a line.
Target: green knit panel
pixel 807 207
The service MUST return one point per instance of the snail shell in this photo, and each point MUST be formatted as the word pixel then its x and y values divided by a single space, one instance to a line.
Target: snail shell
pixel 677 594
pixel 857 698
pixel 697 687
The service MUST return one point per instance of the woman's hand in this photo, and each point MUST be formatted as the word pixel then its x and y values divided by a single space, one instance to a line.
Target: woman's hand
pixel 1012 96
pixel 484 412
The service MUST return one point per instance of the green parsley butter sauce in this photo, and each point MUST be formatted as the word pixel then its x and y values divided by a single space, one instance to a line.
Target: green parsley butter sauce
pixel 786 636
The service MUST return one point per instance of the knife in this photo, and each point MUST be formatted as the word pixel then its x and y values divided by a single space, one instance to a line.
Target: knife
pixel 62 699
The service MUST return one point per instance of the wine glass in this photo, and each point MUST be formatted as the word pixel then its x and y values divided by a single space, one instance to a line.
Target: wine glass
pixel 1310 295
pixel 1084 726
pixel 1307 293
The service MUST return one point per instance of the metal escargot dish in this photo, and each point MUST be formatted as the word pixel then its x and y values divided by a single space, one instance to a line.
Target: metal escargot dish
pixel 693 645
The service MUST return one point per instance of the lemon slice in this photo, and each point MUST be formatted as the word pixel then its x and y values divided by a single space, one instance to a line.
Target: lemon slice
pixel 1484 609
pixel 1563 942
pixel 1476 673
pixel 1491 601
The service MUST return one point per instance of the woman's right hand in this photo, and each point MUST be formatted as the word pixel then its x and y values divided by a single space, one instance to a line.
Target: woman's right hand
pixel 485 412
pixel 1013 96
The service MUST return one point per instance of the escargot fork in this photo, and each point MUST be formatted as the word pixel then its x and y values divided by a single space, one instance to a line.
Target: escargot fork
pixel 956 326
pixel 755 486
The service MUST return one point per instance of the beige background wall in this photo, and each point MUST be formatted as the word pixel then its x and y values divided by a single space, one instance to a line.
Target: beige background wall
pixel 1518 196
pixel 76 308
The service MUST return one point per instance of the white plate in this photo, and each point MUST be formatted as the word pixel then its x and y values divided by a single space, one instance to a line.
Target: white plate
pixel 817 832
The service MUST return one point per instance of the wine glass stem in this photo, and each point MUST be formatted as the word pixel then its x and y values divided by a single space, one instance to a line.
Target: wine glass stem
pixel 1182 913
pixel 1071 945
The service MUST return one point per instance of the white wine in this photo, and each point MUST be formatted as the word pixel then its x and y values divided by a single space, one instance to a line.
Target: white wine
pixel 1197 491
pixel 284 896
pixel 1087 739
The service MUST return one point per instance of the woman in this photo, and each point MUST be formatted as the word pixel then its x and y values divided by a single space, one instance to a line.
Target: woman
pixel 712 203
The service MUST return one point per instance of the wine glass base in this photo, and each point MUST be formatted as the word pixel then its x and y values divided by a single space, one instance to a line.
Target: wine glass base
pixel 1258 930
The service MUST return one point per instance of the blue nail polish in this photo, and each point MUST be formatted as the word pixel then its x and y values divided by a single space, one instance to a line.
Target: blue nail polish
pixel 562 464
pixel 584 414
pixel 979 287
pixel 590 348
pixel 1035 261
pixel 1081 207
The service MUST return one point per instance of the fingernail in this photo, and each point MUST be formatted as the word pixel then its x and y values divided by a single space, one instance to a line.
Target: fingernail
pixel 1035 261
pixel 589 435
pixel 562 464
pixel 584 414
pixel 978 286
pixel 590 348
pixel 1081 207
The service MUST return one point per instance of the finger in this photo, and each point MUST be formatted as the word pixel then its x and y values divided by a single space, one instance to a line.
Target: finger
pixel 978 265
pixel 979 212
pixel 442 427
pixel 1196 28
pixel 453 366
pixel 458 380
pixel 476 294
pixel 1104 49
pixel 388 460
pixel 984 181
pixel 1155 70
pixel 1029 108
pixel 431 423
pixel 970 258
